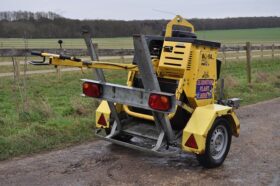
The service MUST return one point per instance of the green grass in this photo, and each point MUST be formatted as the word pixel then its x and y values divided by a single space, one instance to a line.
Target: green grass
pixel 265 80
pixel 10 68
pixel 57 116
pixel 260 35
pixel 112 43
pixel 21 58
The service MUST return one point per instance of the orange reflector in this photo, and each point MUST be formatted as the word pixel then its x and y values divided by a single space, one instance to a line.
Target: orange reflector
pixel 102 120
pixel 191 142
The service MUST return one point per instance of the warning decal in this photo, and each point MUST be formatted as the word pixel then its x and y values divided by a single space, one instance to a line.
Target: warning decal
pixel 204 88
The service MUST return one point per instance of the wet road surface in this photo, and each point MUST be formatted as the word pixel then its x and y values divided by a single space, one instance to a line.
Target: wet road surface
pixel 254 159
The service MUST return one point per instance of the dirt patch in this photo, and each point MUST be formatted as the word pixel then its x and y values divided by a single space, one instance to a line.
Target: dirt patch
pixel 262 77
pixel 253 160
pixel 231 81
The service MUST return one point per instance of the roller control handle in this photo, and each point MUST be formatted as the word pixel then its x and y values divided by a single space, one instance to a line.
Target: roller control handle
pixel 70 58
pixel 35 53
pixel 61 56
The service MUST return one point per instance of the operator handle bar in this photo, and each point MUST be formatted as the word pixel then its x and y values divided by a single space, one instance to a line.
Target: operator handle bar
pixel 63 60
pixel 60 56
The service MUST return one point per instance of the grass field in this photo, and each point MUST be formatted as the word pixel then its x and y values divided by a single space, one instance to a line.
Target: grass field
pixel 56 116
pixel 265 80
pixel 261 35
pixel 112 43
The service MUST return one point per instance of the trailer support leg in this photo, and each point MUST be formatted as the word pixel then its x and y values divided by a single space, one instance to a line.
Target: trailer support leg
pixel 150 82
pixel 101 78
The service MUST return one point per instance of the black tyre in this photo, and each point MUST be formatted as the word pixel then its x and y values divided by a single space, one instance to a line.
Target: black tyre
pixel 217 144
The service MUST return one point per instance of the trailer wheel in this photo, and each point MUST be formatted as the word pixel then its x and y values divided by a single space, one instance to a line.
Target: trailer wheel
pixel 217 144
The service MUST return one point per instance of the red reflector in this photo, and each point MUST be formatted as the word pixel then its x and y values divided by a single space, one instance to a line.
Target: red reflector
pixel 159 102
pixel 92 90
pixel 191 142
pixel 102 120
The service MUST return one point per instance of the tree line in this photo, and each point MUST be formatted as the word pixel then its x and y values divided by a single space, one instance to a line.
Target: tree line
pixel 52 25
pixel 25 15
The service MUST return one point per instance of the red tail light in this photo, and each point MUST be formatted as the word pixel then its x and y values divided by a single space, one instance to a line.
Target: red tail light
pixel 92 89
pixel 191 142
pixel 102 120
pixel 159 102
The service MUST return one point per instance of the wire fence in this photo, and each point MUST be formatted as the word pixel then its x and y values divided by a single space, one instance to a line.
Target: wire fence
pixel 103 43
pixel 124 47
pixel 244 52
pixel 238 52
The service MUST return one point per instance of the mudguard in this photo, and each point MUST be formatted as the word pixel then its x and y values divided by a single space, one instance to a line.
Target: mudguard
pixel 201 122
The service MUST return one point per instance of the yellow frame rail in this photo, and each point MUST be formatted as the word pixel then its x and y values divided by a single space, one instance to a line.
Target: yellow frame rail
pixel 60 60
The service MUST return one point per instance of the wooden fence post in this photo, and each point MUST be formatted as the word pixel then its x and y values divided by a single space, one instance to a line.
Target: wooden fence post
pixel 122 56
pixel 58 73
pixel 262 51
pixel 248 54
pixel 16 66
pixel 237 52
pixel 224 54
pixel 272 50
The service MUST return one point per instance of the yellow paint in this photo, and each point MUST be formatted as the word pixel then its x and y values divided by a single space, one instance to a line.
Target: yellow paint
pixel 201 122
pixel 180 21
pixel 144 116
pixel 104 109
pixel 173 64
pixel 236 124
pixel 202 67
pixel 187 63
pixel 94 64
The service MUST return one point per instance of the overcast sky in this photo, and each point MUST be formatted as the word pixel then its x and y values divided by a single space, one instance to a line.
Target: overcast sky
pixel 147 9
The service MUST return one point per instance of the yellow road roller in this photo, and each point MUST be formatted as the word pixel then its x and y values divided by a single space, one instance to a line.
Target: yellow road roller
pixel 169 104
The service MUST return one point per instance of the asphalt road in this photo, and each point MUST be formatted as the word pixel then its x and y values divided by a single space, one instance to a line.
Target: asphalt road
pixel 254 159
